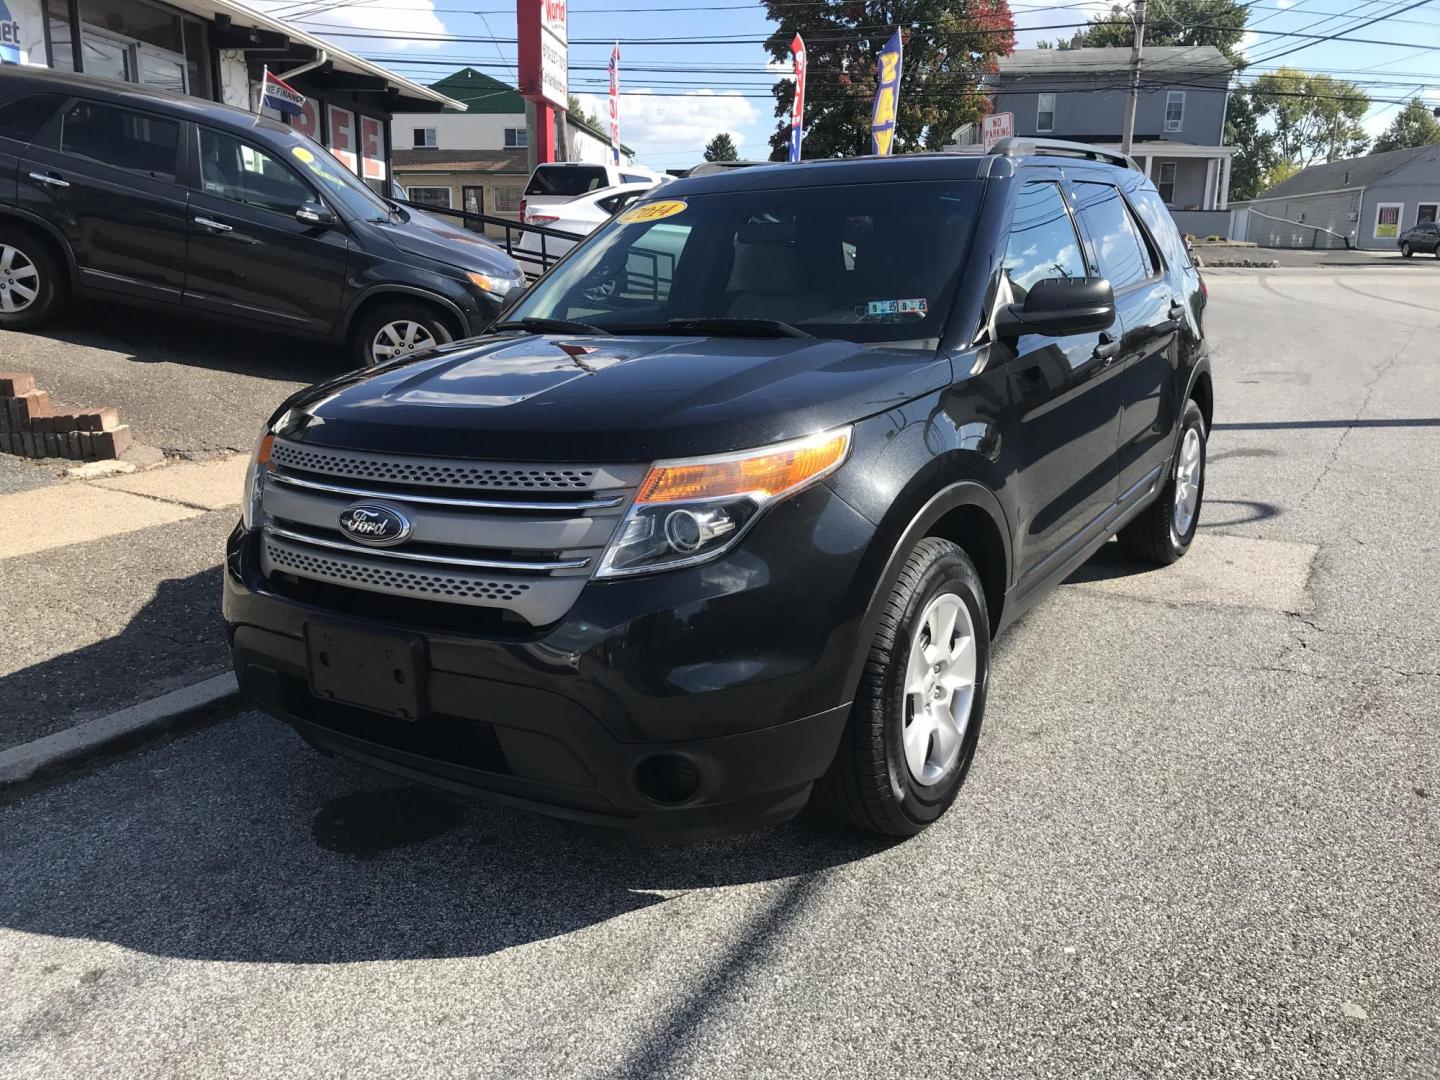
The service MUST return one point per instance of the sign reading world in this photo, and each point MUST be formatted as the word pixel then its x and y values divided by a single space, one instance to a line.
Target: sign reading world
pixel 543 34
pixel 9 37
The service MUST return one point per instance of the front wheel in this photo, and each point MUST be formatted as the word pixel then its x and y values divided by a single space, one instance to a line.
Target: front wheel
pixel 1406 251
pixel 915 724
pixel 395 331
pixel 1165 530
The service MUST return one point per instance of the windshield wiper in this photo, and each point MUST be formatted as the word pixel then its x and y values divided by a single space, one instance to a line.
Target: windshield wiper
pixel 716 324
pixel 557 326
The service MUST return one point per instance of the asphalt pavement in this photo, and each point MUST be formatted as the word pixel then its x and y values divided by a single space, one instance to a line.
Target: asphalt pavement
pixel 1199 839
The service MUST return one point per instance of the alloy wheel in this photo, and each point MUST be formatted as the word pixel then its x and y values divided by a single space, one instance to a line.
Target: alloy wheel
pixel 400 339
pixel 1187 482
pixel 939 689
pixel 19 280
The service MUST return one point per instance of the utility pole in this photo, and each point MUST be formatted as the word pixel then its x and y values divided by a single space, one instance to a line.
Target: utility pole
pixel 1128 136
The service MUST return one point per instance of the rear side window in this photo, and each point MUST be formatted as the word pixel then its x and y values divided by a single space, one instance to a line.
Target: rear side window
pixel 1043 243
pixel 1120 253
pixel 567 180
pixel 136 142
pixel 1157 219
pixel 23 118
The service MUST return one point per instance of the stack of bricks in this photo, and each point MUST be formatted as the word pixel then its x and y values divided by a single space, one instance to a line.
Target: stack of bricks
pixel 31 428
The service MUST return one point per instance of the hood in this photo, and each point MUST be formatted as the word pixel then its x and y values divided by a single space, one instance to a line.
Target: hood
pixel 432 237
pixel 611 399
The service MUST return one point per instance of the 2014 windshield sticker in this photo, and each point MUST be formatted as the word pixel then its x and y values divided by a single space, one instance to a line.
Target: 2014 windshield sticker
pixel 653 211
pixel 915 308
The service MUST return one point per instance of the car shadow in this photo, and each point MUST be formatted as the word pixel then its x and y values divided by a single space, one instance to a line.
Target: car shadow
pixel 148 337
pixel 241 843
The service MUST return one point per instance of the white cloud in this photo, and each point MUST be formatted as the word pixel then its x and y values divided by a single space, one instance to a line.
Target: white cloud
pixel 665 130
pixel 1248 41
pixel 403 18
pixel 1285 3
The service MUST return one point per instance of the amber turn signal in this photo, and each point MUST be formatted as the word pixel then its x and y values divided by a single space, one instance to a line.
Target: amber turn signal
pixel 766 474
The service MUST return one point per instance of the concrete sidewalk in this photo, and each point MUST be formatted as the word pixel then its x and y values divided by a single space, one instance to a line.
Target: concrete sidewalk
pixel 113 586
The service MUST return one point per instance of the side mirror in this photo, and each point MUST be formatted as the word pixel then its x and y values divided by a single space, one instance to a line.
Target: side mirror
pixel 1057 307
pixel 316 214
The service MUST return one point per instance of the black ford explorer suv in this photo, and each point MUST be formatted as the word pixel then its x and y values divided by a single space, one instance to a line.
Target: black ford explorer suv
pixel 119 192
pixel 730 506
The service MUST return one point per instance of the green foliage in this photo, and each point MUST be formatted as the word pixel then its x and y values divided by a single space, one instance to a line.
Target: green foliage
pixel 1256 153
pixel 1220 23
pixel 721 148
pixel 949 45
pixel 1314 116
pixel 577 111
pixel 1415 126
pixel 1278 173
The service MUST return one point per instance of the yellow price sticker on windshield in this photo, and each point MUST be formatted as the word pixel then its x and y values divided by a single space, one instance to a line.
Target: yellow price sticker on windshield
pixel 653 211
pixel 302 154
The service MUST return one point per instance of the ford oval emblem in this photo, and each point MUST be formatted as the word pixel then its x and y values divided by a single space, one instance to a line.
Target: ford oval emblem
pixel 374 525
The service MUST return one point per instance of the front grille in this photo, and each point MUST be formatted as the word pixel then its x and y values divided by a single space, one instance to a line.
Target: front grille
pixel 522 538
pixel 358 465
pixel 349 570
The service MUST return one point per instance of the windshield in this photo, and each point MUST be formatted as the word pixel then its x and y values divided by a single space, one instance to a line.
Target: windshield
pixel 339 184
pixel 861 262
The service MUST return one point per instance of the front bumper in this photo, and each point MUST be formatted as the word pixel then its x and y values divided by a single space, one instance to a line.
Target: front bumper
pixel 679 705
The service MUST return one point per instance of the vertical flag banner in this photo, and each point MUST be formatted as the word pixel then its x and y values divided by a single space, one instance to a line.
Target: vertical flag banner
pixel 887 97
pixel 797 111
pixel 615 104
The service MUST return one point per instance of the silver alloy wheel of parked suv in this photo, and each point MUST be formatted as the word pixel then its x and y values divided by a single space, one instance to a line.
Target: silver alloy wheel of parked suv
pixel 19 280
pixel 400 338
pixel 939 689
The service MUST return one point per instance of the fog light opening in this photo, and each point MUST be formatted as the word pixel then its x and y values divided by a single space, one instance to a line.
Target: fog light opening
pixel 668 779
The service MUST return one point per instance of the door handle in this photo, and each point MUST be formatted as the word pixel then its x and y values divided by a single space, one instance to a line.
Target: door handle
pixel 46 178
pixel 1107 350
pixel 206 223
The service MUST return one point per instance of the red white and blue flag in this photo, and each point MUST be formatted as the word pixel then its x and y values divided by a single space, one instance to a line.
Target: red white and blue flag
pixel 615 104
pixel 281 96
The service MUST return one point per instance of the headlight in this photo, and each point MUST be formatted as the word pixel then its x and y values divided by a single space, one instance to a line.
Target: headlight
pixel 255 479
pixel 495 284
pixel 688 511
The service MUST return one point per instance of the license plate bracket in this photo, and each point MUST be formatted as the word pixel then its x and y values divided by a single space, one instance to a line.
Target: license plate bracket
pixel 384 673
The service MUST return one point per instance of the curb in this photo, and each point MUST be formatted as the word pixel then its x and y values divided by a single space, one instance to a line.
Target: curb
pixel 66 750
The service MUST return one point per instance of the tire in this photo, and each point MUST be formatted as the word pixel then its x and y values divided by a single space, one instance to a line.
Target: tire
pixel 367 345
pixel 1405 251
pixel 1157 536
pixel 872 784
pixel 33 283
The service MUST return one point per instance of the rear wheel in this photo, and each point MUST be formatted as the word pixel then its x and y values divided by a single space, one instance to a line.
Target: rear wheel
pixel 395 331
pixel 1164 532
pixel 916 720
pixel 1406 250
pixel 32 282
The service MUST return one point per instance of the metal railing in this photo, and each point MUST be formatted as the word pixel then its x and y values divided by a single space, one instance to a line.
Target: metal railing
pixel 1315 236
pixel 531 262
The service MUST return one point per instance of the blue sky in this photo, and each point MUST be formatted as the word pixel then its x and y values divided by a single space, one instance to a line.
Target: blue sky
pixel 668 116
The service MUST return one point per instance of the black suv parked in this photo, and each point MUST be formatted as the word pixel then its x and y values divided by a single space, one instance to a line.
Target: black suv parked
pixel 735 500
pixel 119 192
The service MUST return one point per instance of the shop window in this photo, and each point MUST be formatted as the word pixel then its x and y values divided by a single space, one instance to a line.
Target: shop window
pixel 507 199
pixel 431 196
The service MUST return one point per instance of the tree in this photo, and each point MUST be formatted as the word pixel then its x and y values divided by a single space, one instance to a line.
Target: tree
pixel 1314 116
pixel 721 148
pixel 1255 155
pixel 1220 23
pixel 1415 126
pixel 1278 173
pixel 949 46
pixel 576 111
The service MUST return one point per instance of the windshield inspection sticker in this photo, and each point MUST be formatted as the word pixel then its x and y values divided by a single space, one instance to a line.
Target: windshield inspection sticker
pixel 653 211
pixel 914 307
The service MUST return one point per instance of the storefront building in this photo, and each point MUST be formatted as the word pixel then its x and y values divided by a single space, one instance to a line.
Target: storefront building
pixel 219 50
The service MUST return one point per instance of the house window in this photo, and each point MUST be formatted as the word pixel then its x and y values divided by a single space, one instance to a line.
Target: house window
pixel 1045 113
pixel 424 138
pixel 1166 182
pixel 507 199
pixel 1175 110
pixel 516 139
pixel 1426 212
pixel 1387 220
pixel 431 196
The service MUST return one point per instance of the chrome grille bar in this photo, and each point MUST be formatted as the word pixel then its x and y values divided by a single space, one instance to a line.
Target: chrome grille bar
pixel 433 560
pixel 603 502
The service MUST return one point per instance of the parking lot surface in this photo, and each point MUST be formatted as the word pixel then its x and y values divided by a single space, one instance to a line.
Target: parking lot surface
pixel 1199 839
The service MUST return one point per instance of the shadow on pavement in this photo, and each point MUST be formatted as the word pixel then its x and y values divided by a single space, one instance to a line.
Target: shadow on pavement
pixel 176 638
pixel 173 337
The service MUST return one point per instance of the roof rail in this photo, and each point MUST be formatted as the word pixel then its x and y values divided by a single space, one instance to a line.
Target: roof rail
pixel 1014 147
